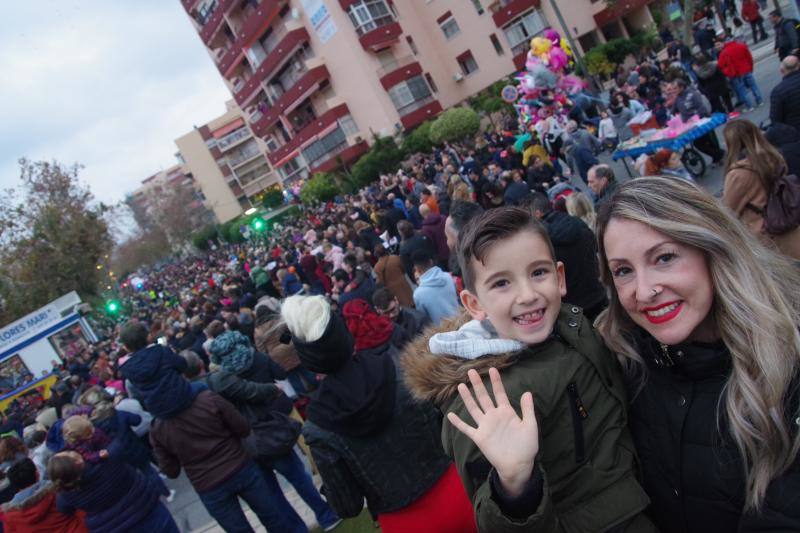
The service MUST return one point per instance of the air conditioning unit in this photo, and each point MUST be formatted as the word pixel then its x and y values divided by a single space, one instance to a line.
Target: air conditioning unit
pixel 458 77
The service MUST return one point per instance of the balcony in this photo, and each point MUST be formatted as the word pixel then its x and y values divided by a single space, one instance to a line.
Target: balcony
pixel 245 155
pixel 233 138
pixel 304 87
pixel 621 9
pixel 309 133
pixel 381 37
pixel 418 112
pixel 254 26
pixel 504 11
pixel 346 155
pixel 520 53
pixel 285 47
pixel 215 20
pixel 401 69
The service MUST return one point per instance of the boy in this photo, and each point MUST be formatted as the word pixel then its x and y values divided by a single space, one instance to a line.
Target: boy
pixel 569 468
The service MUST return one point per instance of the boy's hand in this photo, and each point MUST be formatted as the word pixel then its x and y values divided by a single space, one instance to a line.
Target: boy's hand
pixel 103 454
pixel 508 442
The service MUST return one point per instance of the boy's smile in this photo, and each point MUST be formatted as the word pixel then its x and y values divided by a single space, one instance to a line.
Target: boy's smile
pixel 518 288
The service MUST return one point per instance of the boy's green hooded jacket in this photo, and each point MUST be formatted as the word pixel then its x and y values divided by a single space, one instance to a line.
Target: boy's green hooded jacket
pixel 585 451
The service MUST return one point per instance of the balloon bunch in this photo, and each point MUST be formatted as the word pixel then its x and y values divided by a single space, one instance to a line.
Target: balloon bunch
pixel 544 85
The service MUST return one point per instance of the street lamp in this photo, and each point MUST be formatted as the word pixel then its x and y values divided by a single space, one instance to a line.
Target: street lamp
pixel 250 211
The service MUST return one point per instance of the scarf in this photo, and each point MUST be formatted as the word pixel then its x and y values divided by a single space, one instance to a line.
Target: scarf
pixel 368 328
pixel 232 351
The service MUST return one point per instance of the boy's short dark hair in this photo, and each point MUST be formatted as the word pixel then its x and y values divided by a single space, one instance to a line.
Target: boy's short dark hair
pixel 381 298
pixel 492 226
pixel 22 474
pixel 341 275
pixel 133 335
pixel 421 258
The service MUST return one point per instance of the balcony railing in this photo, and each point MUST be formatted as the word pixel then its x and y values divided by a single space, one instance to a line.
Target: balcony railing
pixel 504 11
pixel 313 129
pixel 244 155
pixel 257 22
pixel 520 48
pixel 425 109
pixel 314 77
pixel 232 138
pixel 380 37
pixel 416 104
pixel 395 65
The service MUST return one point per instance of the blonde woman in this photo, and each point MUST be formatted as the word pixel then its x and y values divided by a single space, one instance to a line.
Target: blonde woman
pixel 751 167
pixel 705 322
pixel 579 205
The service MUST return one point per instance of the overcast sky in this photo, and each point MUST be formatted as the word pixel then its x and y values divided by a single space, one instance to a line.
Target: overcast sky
pixel 109 84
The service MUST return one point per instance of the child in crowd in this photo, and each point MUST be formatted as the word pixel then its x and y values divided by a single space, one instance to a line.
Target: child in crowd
pixel 569 465
pixel 81 436
pixel 607 132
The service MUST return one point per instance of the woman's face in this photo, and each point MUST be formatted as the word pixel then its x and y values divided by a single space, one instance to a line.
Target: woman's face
pixel 664 286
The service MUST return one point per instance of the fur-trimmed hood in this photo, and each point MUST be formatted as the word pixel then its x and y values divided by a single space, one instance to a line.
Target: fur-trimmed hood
pixel 435 377
pixel 40 492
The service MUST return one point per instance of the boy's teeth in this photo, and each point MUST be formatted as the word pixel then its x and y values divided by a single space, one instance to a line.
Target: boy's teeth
pixel 664 310
pixel 527 317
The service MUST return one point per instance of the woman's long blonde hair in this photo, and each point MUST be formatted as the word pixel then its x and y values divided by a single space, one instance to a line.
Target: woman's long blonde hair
pixel 579 205
pixel 756 308
pixel 743 138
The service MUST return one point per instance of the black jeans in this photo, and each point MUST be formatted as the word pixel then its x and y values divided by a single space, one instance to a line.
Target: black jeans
pixel 758 25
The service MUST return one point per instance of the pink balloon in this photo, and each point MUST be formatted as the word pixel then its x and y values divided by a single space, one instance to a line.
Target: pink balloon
pixel 553 36
pixel 558 59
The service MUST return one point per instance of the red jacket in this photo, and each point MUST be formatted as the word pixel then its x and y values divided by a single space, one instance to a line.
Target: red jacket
pixel 735 60
pixel 38 514
pixel 750 10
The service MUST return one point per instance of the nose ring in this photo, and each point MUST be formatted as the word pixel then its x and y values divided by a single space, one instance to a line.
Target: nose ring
pixel 656 292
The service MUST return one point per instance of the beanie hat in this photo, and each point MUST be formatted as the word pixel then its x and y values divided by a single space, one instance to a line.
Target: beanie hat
pixel 368 328
pixel 330 352
pixel 232 351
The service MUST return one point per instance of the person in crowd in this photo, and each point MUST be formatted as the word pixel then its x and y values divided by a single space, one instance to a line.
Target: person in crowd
pixel 704 320
pixel 33 508
pixel 751 13
pixel 246 378
pixel 787 140
pixel 736 62
pixel 579 205
pixel 786 39
pixel 433 228
pixel 714 84
pixel 12 450
pixel 603 184
pixel 575 247
pixel 408 322
pixel 606 131
pixel 436 293
pixel 704 36
pixel 369 439
pixel 786 94
pixel 412 241
pixel 390 273
pixel 521 477
pixel 689 102
pixel 540 175
pixel 665 163
pixel 427 197
pixel 752 167
pixel 113 495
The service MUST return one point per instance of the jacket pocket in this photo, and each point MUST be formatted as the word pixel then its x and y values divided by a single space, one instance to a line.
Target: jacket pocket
pixel 579 414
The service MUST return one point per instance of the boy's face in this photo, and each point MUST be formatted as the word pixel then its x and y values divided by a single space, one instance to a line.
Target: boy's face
pixel 518 288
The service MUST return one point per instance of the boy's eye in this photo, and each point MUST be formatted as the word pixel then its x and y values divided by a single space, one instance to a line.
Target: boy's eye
pixel 539 272
pixel 499 284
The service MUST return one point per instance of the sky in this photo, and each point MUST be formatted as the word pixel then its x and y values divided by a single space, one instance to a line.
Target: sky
pixel 109 84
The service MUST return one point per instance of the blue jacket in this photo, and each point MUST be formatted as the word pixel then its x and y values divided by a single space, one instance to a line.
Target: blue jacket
pixel 119 427
pixel 155 372
pixel 436 295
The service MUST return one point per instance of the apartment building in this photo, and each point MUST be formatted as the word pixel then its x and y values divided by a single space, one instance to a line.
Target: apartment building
pixel 228 162
pixel 178 180
pixel 317 79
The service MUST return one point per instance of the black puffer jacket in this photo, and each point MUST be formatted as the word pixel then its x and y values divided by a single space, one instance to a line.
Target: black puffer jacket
pixel 576 247
pixel 783 101
pixel 692 472
pixel 391 469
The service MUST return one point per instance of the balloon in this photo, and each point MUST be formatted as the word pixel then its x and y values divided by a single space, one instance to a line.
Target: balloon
pixel 532 61
pixel 553 36
pixel 558 59
pixel 541 46
pixel 566 47
pixel 543 77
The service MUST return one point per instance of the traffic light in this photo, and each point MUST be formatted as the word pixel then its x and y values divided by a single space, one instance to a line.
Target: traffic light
pixel 258 224
pixel 112 307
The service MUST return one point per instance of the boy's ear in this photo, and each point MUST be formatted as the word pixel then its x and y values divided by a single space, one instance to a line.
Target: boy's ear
pixel 562 278
pixel 472 305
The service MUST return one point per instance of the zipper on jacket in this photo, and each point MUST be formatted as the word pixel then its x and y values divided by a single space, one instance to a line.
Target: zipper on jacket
pixel 579 414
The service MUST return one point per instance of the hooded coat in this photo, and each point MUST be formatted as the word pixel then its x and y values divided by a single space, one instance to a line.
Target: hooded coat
pixel 155 372
pixel 433 228
pixel 389 272
pixel 436 295
pixel 36 512
pixel 586 454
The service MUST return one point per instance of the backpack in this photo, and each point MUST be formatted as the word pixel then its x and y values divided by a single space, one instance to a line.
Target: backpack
pixel 781 214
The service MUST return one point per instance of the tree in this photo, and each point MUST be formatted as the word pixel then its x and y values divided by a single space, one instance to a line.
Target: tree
pixel 455 124
pixel 383 157
pixel 490 100
pixel 273 197
pixel 419 140
pixel 320 188
pixel 52 237
pixel 145 247
pixel 178 212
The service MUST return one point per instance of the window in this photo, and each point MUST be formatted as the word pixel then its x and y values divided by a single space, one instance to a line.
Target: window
pixel 367 15
pixel 520 32
pixel 450 27
pixel 467 63
pixel 412 45
pixel 204 11
pixel 406 94
pixel 332 143
pixel 496 43
pixel 478 6
pixel 431 83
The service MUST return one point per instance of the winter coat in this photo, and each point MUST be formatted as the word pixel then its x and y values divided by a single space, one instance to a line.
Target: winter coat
pixel 787 140
pixel 114 496
pixel 120 428
pixel 155 371
pixel 436 295
pixel 515 193
pixel 268 340
pixel 735 59
pixel 692 472
pixel 712 81
pixel 389 272
pixel 408 324
pixel 391 469
pixel 407 248
pixel 620 120
pixel 586 454
pixel 751 12
pixel 363 291
pixel 433 228
pixel 204 439
pixel 575 246
pixel 689 103
pixel 786 40
pixel 783 101
pixel 743 188
pixel 35 512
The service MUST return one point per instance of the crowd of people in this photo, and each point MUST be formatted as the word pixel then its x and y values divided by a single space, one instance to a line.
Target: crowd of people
pixel 639 339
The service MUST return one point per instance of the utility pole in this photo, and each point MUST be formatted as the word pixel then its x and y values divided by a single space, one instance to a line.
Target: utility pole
pixel 575 50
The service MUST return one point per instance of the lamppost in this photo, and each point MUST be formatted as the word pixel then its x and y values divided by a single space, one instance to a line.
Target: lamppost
pixel 575 50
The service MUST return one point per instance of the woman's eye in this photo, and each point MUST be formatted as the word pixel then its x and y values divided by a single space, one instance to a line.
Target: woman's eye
pixel 621 271
pixel 665 258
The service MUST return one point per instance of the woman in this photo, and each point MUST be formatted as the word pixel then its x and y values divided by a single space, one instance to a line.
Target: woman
pixel 579 205
pixel 751 167
pixel 705 322
pixel 389 272
pixel 368 437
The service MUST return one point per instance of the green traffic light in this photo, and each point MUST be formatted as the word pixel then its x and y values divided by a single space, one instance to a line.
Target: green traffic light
pixel 112 307
pixel 258 224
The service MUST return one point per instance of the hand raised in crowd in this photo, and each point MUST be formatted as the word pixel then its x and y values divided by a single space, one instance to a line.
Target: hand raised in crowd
pixel 508 442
